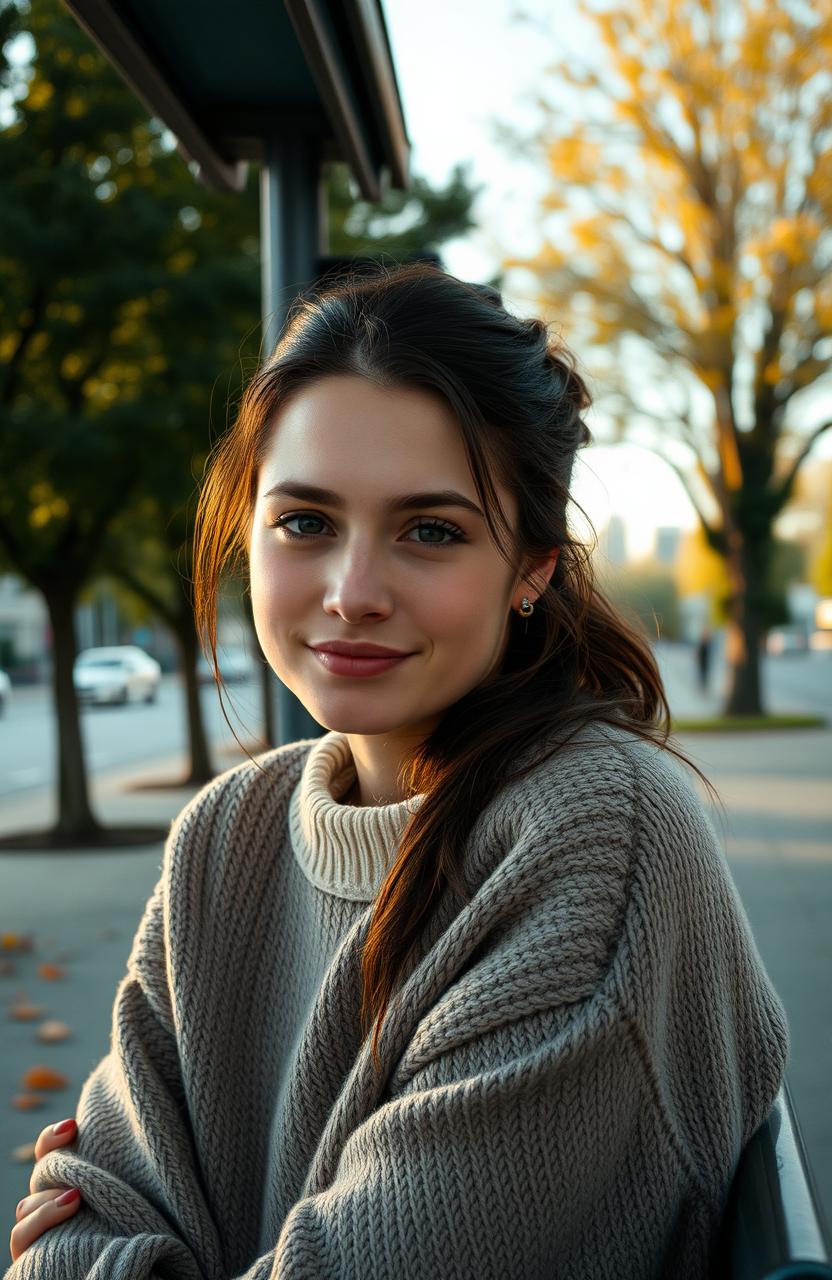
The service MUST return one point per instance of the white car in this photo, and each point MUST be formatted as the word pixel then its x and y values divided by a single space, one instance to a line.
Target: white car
pixel 5 691
pixel 116 673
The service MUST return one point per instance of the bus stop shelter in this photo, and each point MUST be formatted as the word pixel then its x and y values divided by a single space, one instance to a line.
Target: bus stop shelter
pixel 290 85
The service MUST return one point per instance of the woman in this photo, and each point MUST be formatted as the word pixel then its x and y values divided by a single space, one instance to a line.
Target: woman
pixel 462 987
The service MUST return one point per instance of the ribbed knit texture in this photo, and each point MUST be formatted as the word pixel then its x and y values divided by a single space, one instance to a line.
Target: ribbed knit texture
pixel 344 850
pixel 570 1069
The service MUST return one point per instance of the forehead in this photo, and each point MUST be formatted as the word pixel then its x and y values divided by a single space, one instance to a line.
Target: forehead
pixel 351 423
pixel 367 443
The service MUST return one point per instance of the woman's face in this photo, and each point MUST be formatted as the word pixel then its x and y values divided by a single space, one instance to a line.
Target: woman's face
pixel 426 580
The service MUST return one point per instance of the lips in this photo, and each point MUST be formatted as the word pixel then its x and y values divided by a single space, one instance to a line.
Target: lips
pixel 359 650
pixel 342 664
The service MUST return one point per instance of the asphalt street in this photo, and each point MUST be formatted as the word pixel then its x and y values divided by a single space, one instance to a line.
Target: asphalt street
pixel 114 736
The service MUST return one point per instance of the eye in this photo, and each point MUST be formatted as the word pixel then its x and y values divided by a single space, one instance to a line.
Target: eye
pixel 441 526
pixel 282 523
pixel 454 533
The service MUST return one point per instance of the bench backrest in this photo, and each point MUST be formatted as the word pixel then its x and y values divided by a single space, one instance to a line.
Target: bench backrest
pixel 774 1227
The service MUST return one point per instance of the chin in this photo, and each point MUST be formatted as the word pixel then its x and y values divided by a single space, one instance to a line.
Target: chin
pixel 357 712
pixel 355 722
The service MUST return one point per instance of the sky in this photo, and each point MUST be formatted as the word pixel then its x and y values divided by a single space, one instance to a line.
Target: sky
pixel 461 67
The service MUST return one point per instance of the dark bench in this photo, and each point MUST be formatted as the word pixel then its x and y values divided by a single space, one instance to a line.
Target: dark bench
pixel 774 1224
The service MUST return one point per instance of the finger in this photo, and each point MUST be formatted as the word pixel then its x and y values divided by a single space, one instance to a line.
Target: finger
pixel 34 1224
pixel 48 1139
pixel 35 1199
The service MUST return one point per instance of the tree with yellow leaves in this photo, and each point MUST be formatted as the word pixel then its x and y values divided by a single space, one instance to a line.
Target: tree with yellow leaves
pixel 687 243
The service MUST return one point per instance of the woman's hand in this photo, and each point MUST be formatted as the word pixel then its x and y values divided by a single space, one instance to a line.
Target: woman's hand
pixel 40 1210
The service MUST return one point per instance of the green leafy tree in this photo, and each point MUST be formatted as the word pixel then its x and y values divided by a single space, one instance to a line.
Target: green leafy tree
pixel 129 308
pixel 403 222
pixel 116 318
pixel 686 242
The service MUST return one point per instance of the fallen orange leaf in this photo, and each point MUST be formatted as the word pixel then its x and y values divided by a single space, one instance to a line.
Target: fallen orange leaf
pixel 28 1101
pixel 15 942
pixel 23 1012
pixel 43 1077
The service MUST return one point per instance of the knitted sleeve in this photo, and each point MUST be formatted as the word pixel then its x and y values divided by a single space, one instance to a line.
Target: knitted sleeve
pixel 533 1150
pixel 713 1027
pixel 143 1212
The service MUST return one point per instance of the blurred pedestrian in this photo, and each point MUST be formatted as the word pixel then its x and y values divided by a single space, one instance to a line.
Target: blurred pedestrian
pixel 704 647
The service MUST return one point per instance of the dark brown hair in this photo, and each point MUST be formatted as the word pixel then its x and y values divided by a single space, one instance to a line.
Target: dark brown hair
pixel 518 398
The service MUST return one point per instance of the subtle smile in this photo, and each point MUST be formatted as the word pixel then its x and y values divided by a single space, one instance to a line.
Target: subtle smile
pixel 342 664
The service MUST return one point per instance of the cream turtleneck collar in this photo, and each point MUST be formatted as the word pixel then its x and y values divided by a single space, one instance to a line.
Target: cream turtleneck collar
pixel 343 849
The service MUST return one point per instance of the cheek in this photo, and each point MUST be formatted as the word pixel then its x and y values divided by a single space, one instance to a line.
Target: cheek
pixel 463 609
pixel 275 600
pixel 277 582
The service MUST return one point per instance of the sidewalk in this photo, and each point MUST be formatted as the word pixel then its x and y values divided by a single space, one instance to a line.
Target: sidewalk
pixel 118 797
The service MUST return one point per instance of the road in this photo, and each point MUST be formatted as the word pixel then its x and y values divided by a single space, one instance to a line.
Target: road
pixel 799 682
pixel 115 737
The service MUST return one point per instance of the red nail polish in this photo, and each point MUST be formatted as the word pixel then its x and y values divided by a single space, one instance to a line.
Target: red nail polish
pixel 69 1196
pixel 64 1126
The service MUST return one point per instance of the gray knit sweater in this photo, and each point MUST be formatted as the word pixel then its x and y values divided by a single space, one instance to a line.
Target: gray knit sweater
pixel 573 1064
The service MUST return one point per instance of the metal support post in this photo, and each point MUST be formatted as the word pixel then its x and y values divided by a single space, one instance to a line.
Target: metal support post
pixel 292 224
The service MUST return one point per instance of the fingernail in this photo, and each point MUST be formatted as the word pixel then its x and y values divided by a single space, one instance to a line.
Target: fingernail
pixel 68 1196
pixel 64 1126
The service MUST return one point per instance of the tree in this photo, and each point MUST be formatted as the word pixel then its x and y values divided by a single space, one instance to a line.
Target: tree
pixel 129 292
pixel 403 222
pixel 698 570
pixel 691 193
pixel 116 319
pixel 821 570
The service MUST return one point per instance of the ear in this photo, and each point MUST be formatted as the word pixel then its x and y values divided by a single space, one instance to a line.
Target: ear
pixel 541 569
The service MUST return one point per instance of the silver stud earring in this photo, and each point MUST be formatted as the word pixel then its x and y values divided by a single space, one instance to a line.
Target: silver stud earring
pixel 526 607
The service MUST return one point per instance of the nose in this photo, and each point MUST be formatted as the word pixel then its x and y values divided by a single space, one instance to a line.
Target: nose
pixel 356 587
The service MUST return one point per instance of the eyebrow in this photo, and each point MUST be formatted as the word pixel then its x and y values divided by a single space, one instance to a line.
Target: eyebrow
pixel 401 502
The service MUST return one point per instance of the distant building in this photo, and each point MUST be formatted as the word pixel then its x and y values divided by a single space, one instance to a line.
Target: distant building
pixel 24 628
pixel 666 545
pixel 612 543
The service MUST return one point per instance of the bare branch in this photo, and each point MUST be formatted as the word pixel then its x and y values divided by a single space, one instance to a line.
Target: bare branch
pixel 784 490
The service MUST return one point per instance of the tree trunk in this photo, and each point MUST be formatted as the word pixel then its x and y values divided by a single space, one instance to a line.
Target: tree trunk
pixel 200 768
pixel 179 618
pixel 747 570
pixel 75 816
pixel 266 693
pixel 266 682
